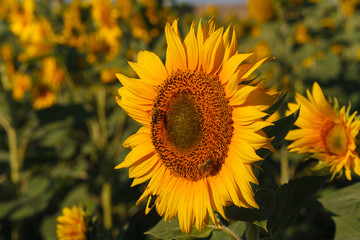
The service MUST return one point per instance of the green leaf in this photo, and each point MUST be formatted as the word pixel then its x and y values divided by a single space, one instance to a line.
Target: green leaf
pixel 34 198
pixel 78 195
pixel 276 105
pixel 48 228
pixel 237 227
pixel 265 198
pixel 262 224
pixel 171 230
pixel 347 228
pixel 344 202
pixel 290 198
pixel 279 131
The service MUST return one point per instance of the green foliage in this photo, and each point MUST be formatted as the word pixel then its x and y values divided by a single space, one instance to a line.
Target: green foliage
pixel 347 228
pixel 345 203
pixel 265 198
pixel 290 198
pixel 34 198
pixel 171 230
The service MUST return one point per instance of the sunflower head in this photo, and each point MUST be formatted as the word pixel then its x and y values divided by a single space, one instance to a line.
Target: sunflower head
pixel 71 224
pixel 326 133
pixel 202 124
pixel 43 96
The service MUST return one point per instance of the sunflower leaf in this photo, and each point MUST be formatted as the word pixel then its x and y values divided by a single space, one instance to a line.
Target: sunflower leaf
pixel 344 202
pixel 265 198
pixel 171 230
pixel 237 227
pixel 276 105
pixel 290 198
pixel 347 228
pixel 279 131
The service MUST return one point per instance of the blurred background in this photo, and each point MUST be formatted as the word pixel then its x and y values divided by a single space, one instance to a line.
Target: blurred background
pixel 61 132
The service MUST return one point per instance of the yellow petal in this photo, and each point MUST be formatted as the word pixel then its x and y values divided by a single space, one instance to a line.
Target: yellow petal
pixel 191 47
pixel 230 66
pixel 142 135
pixel 150 68
pixel 241 95
pixel 137 87
pixel 213 52
pixel 175 53
pixel 250 68
pixel 138 155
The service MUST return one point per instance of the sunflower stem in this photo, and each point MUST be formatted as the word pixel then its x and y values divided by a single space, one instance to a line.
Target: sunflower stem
pixel 8 123
pixel 101 110
pixel 106 204
pixel 284 163
pixel 251 231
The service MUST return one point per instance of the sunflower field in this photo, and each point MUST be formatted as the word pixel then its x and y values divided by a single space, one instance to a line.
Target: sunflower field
pixel 147 119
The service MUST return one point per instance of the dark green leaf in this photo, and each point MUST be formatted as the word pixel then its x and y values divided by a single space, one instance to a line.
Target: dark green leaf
pixel 344 202
pixel 276 105
pixel 171 230
pixel 265 198
pixel 279 131
pixel 290 198
pixel 347 228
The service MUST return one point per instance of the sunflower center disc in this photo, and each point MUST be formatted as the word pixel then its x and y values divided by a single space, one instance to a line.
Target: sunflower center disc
pixel 192 124
pixel 183 123
pixel 336 140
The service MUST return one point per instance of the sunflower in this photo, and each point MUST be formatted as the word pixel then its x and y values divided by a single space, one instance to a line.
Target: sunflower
pixel 201 125
pixel 325 133
pixel 71 225
pixel 43 96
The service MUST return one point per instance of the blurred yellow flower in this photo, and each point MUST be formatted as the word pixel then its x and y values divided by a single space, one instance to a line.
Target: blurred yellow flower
pixel 19 82
pixel 336 48
pixel 125 7
pixel 7 56
pixel 261 49
pixel 201 125
pixel 325 133
pixel 349 7
pixel 35 33
pixel 138 28
pixel 51 74
pixel 301 33
pixel 307 62
pixel 328 23
pixel 261 10
pixel 106 15
pixel 71 225
pixel 255 31
pixel 7 6
pixel 74 31
pixel 108 75
pixel 43 96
